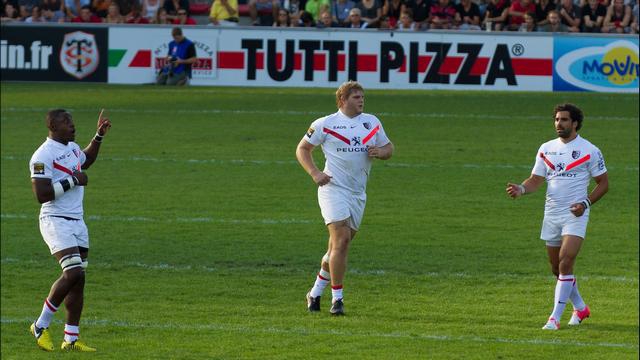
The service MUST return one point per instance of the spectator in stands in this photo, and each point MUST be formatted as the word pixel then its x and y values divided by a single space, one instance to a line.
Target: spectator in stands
pixel 25 6
pixel 554 24
pixel 36 16
pixel 371 12
pixel 135 16
pixel 467 15
pixel 184 18
pixel 441 15
pixel 101 7
pixel 52 16
pixel 224 13
pixel 593 14
pixel 570 15
pixel 9 13
pixel 355 20
pixel 179 60
pixel 383 23
pixel 340 10
pixel 542 10
pixel 529 24
pixel 633 28
pixel 406 22
pixel 113 15
pixel 292 6
pixel 161 17
pixel 86 16
pixel 73 7
pixel 618 18
pixel 516 13
pixel 172 7
pixel 283 19
pixel 306 20
pixel 326 21
pixel 392 9
pixel 53 10
pixel 294 19
pixel 420 10
pixel 266 9
pixel 495 18
pixel 316 7
pixel 150 8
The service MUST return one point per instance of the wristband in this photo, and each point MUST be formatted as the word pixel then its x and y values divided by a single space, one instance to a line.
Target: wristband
pixel 98 138
pixel 523 190
pixel 64 185
pixel 586 203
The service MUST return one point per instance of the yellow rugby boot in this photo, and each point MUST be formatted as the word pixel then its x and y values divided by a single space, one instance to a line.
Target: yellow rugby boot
pixel 76 346
pixel 43 338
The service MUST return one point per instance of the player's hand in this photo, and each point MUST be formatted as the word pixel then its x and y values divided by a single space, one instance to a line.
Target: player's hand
pixel 321 178
pixel 513 190
pixel 104 124
pixel 373 151
pixel 577 209
pixel 83 179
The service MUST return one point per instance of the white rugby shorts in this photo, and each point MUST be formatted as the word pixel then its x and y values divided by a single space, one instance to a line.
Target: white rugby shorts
pixel 60 233
pixel 337 204
pixel 554 227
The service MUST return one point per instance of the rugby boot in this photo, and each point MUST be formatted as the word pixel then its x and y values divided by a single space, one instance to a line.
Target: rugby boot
pixel 313 303
pixel 552 324
pixel 77 345
pixel 43 338
pixel 337 308
pixel 579 315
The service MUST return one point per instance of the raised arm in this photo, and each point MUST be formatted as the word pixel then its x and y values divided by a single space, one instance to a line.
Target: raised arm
pixel 91 151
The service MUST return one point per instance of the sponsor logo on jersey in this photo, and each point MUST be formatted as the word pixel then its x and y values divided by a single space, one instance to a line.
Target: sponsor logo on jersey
pixel 310 132
pixel 79 55
pixel 560 166
pixel 38 168
pixel 339 127
pixel 356 140
pixel 353 149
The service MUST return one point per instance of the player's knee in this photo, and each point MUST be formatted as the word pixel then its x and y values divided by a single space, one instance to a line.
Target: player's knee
pixel 74 275
pixel 70 262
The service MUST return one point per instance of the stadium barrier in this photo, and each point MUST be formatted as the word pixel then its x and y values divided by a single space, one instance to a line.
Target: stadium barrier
pixel 259 56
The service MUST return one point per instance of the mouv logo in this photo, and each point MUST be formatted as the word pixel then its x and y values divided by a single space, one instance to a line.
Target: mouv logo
pixel 608 68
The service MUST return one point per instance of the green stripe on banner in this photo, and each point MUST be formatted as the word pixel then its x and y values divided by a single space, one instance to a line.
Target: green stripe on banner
pixel 115 56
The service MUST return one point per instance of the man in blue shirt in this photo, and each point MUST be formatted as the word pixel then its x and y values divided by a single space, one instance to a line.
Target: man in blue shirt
pixel 181 56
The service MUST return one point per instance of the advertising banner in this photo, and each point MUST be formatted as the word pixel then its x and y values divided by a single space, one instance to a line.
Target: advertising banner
pixel 602 64
pixel 54 53
pixel 298 58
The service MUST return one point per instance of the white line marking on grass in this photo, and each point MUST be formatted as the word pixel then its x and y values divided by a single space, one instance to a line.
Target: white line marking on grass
pixel 294 162
pixel 354 271
pixel 320 332
pixel 426 115
pixel 177 219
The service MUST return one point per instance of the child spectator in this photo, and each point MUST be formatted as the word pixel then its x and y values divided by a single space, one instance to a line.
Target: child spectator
pixel 406 22
pixel 542 10
pixel 326 21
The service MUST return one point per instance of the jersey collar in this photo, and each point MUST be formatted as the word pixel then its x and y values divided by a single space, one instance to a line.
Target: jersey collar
pixel 56 144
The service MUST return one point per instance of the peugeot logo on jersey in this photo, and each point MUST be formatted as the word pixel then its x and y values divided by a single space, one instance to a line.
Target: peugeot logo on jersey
pixel 559 167
pixel 355 140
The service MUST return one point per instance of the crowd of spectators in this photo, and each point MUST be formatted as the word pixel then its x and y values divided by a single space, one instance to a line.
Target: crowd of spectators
pixel 593 16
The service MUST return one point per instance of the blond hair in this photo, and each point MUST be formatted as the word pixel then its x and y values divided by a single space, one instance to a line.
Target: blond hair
pixel 345 90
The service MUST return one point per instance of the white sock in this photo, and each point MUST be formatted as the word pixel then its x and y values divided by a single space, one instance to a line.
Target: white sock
pixel 564 286
pixel 71 333
pixel 336 291
pixel 576 299
pixel 322 280
pixel 48 310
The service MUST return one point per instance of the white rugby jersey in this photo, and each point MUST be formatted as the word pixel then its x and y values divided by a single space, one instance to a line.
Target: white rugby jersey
pixel 56 161
pixel 568 169
pixel 344 143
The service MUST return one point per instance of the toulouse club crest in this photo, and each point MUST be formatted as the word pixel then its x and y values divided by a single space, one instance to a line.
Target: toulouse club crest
pixel 575 154
pixel 79 55
pixel 367 125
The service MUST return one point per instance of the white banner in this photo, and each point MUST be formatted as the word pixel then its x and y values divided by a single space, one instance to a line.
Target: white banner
pixel 325 58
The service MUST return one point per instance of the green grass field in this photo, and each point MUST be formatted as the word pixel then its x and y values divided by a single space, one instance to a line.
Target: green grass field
pixel 206 233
